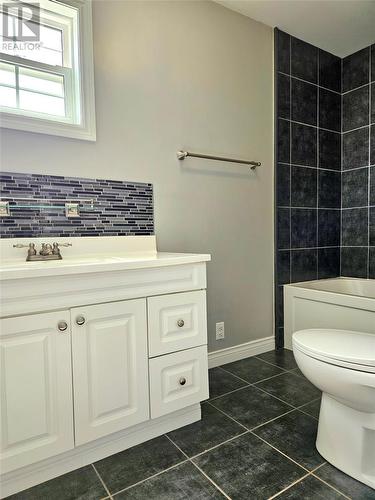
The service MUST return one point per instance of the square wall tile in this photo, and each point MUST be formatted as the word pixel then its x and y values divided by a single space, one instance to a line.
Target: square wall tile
pixel 303 187
pixel 373 63
pixel 283 185
pixel 304 265
pixel 282 51
pixel 372 145
pixel 372 226
pixel 355 148
pixel 304 60
pixel 372 263
pixel 329 222
pixel 304 145
pixel 372 185
pixel 328 263
pixel 283 228
pixel 283 141
pixel 354 262
pixel 283 96
pixel 354 187
pixel 329 189
pixel 283 267
pixel 303 228
pixel 329 110
pixel 355 227
pixel 329 150
pixel 329 71
pixel 355 111
pixel 279 299
pixel 304 102
pixel 355 70
pixel 373 103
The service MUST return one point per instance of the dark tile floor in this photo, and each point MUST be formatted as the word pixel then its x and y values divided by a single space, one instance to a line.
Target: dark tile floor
pixel 256 440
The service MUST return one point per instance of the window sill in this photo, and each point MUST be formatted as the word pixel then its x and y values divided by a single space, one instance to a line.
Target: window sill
pixel 51 127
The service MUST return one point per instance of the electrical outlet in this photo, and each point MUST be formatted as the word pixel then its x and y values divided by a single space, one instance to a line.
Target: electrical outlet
pixel 220 334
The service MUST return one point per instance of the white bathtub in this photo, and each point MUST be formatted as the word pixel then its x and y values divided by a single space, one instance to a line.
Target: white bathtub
pixel 343 303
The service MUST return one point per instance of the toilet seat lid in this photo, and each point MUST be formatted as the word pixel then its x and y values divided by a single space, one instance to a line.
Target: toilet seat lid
pixel 338 345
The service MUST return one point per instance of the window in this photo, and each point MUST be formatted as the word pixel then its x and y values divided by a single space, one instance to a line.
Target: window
pixel 46 68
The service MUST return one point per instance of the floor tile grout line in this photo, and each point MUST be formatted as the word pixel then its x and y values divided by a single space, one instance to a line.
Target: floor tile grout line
pixel 176 445
pixel 281 452
pixel 150 477
pixel 279 399
pixel 272 420
pixel 211 480
pixel 330 485
pixel 197 455
pixel 109 495
pixel 195 465
pixel 226 414
pixel 252 383
pixel 269 362
pixel 226 393
pixel 289 486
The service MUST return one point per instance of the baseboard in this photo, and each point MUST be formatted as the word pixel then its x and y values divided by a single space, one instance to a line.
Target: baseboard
pixel 230 354
pixel 31 475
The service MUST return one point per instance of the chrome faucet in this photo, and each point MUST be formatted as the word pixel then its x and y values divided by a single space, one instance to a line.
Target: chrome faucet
pixel 47 252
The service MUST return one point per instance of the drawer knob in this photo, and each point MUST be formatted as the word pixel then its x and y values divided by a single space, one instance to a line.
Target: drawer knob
pixel 80 320
pixel 62 326
pixel 180 323
pixel 182 381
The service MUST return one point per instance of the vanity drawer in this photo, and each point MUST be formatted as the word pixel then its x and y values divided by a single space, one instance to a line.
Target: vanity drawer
pixel 176 322
pixel 178 380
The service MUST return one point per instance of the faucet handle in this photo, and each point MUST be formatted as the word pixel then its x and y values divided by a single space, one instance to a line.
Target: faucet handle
pixel 64 244
pixel 19 245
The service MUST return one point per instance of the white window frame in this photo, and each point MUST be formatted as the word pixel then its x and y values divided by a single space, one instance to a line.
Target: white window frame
pixel 83 86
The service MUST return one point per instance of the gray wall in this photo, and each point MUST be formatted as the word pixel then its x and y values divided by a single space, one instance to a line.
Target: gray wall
pixel 173 75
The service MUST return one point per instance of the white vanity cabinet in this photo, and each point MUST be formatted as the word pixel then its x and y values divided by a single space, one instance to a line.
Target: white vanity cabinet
pixel 36 388
pixel 110 368
pixel 96 358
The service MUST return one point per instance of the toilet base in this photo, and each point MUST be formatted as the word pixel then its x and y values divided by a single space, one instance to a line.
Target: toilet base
pixel 346 439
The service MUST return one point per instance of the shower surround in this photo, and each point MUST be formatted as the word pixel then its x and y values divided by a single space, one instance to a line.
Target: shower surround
pixel 325 165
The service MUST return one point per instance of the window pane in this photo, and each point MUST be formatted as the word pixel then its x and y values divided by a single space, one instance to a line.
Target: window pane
pixel 42 103
pixel 8 97
pixel 40 81
pixel 51 38
pixel 34 53
pixel 7 74
pixel 49 50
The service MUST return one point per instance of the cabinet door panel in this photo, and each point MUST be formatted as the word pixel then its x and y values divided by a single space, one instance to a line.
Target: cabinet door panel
pixel 178 380
pixel 176 322
pixel 36 389
pixel 110 368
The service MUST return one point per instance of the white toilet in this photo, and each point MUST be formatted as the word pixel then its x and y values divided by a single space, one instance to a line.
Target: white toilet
pixel 342 365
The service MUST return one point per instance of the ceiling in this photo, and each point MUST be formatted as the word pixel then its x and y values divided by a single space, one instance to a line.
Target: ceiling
pixel 338 26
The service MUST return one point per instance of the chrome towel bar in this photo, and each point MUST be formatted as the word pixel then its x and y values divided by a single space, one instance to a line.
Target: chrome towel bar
pixel 181 155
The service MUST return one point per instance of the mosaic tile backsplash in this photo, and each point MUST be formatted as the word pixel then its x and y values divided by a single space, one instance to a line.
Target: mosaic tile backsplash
pixel 119 208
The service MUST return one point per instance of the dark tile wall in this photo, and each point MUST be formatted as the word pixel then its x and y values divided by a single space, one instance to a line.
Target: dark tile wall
pixel 308 169
pixel 358 170
pixel 119 208
pixel 325 168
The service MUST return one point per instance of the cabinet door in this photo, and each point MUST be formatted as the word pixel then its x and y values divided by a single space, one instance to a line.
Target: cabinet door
pixel 36 388
pixel 110 375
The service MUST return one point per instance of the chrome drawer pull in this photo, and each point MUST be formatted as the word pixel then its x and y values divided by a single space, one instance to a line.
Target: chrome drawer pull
pixel 80 320
pixel 62 326
pixel 182 381
pixel 180 323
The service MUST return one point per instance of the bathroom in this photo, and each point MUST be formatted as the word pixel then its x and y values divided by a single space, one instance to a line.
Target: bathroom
pixel 187 249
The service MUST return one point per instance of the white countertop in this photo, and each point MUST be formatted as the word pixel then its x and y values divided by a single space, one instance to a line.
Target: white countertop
pixel 91 255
